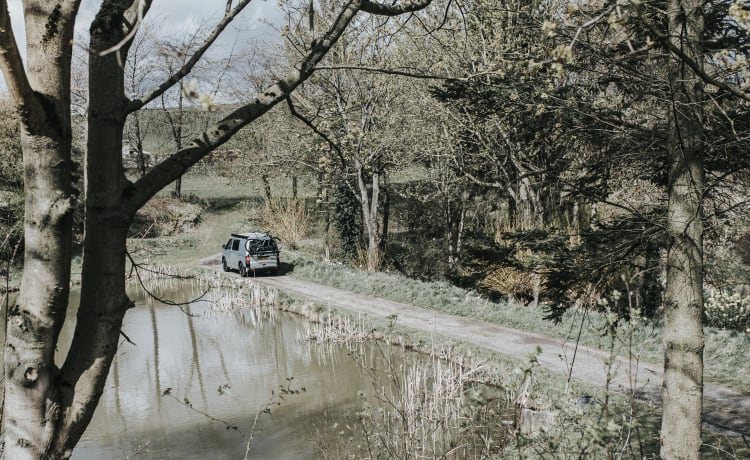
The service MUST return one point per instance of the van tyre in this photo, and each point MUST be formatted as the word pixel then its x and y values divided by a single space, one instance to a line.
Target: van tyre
pixel 224 264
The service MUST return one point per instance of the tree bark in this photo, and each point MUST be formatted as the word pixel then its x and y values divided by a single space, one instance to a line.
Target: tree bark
pixel 176 126
pixel 103 300
pixel 386 221
pixel 370 206
pixel 683 309
pixel 32 403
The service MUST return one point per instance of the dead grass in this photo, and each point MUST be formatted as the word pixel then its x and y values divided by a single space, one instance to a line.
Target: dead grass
pixel 287 218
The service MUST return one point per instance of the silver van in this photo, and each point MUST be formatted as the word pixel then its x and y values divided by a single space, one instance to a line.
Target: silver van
pixel 249 253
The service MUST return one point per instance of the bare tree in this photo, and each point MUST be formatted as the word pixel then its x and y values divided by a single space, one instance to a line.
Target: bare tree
pixel 47 408
pixel 365 118
pixel 174 53
pixel 140 72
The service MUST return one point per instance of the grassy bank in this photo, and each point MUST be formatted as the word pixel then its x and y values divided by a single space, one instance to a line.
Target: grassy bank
pixel 725 353
pixel 587 420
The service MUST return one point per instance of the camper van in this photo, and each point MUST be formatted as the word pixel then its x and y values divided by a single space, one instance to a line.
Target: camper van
pixel 249 253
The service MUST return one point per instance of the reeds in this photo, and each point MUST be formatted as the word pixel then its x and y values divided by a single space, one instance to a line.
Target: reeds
pixel 250 301
pixel 419 408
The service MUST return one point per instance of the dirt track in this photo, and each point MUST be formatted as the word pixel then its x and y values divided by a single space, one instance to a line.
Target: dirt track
pixel 726 411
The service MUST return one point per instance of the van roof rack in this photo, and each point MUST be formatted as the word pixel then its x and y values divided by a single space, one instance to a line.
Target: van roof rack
pixel 245 235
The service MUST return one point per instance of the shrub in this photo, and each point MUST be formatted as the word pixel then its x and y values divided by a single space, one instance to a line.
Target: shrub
pixel 726 309
pixel 287 218
pixel 164 216
pixel 516 284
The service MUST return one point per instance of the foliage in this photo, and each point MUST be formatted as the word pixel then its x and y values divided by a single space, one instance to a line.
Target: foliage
pixel 346 215
pixel 516 284
pixel 728 309
pixel 11 185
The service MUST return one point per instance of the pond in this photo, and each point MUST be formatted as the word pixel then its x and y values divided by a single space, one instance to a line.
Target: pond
pixel 194 379
pixel 211 377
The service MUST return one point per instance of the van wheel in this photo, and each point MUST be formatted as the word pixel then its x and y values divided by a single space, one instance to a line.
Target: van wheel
pixel 242 270
pixel 224 264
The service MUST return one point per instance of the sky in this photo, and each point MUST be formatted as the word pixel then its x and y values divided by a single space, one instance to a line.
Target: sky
pixel 178 15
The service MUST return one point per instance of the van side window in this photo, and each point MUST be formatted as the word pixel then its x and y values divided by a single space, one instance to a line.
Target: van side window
pixel 235 245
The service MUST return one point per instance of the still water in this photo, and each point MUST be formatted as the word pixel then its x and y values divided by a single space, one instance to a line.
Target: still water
pixel 193 381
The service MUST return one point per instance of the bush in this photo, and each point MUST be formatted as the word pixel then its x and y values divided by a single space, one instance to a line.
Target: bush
pixel 164 216
pixel 726 309
pixel 288 219
pixel 517 285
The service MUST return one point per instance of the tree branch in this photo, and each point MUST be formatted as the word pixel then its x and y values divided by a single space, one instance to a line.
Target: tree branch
pixel 403 73
pixel 141 7
pixel 380 9
pixel 694 66
pixel 173 167
pixel 315 129
pixel 229 15
pixel 11 62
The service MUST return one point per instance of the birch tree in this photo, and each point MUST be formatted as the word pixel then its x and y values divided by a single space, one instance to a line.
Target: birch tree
pixel 48 405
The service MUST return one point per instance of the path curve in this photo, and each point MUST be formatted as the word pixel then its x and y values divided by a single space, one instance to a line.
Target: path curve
pixel 726 411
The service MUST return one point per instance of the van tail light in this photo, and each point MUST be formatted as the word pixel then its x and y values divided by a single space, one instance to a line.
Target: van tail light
pixel 247 259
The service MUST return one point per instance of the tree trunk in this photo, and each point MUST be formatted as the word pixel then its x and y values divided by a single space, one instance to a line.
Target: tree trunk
pixel 176 126
pixel 32 400
pixel 103 300
pixel 455 232
pixel 386 220
pixel 177 192
pixel 266 189
pixel 683 309
pixel 33 406
pixel 369 206
pixel 139 144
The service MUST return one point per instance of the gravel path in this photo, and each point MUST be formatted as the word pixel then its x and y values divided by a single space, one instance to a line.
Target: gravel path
pixel 726 411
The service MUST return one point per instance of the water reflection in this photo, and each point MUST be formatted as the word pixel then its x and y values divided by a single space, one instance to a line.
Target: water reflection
pixel 226 366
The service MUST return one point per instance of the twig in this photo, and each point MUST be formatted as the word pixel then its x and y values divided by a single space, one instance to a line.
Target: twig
pixel 135 267
pixel 185 402
pixel 127 338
